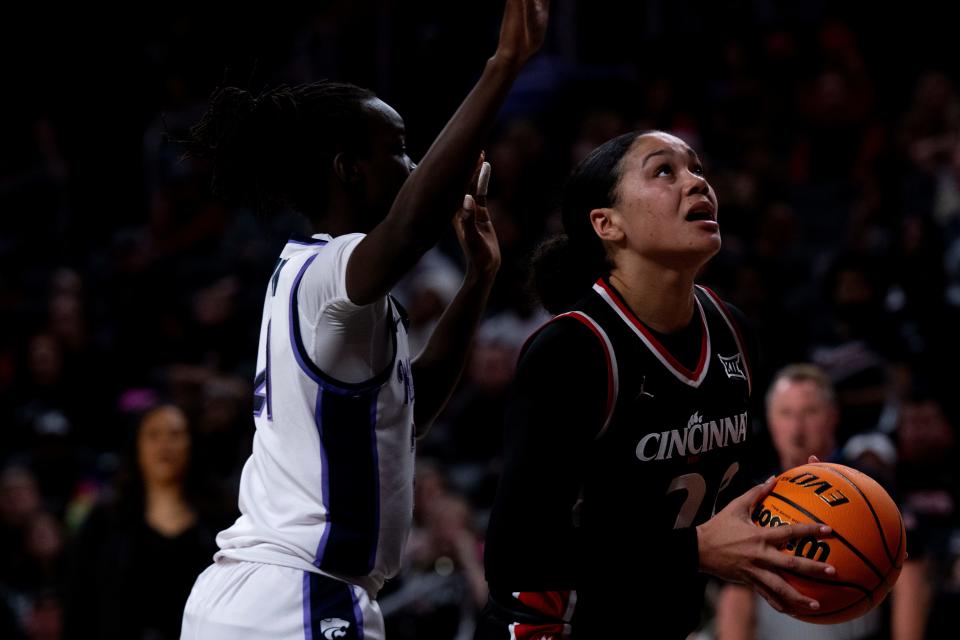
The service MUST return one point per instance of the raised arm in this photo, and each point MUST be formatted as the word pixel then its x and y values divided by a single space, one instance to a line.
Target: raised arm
pixel 437 369
pixel 434 190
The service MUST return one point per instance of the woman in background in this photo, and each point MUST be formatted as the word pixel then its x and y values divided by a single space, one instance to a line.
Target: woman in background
pixel 136 557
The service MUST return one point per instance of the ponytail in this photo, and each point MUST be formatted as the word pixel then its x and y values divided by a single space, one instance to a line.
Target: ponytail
pixel 566 265
pixel 563 271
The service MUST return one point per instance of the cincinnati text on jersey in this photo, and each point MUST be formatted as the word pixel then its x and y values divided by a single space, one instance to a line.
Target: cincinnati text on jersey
pixel 697 437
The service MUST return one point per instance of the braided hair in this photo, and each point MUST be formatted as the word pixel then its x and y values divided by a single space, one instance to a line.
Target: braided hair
pixel 270 151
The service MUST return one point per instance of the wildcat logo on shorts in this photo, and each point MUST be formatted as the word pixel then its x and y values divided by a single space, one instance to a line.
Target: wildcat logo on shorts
pixel 332 628
pixel 732 366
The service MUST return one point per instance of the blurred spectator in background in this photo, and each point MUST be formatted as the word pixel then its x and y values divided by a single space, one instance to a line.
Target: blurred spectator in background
pixel 20 503
pixel 837 149
pixel 221 405
pixel 469 435
pixel 441 586
pixel 425 293
pixel 137 556
pixel 927 595
pixel 28 567
pixel 855 340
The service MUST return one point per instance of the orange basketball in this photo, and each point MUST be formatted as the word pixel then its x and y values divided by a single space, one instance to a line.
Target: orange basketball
pixel 867 545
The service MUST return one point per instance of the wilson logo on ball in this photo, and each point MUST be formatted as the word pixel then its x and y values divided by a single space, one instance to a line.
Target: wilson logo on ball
pixel 807 547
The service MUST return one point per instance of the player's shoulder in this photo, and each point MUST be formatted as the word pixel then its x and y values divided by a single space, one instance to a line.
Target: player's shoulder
pixel 321 243
pixel 566 338
pixel 570 327
pixel 345 239
pixel 740 320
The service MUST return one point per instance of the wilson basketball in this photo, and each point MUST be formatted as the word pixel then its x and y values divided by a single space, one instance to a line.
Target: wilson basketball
pixel 867 545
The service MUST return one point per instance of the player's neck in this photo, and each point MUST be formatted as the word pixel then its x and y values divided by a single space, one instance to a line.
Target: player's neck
pixel 330 224
pixel 341 215
pixel 661 298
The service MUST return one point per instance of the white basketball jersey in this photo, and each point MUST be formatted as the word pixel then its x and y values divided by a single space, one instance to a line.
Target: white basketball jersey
pixel 329 485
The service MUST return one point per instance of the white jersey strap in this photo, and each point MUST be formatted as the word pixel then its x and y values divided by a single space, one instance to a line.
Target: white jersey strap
pixel 734 329
pixel 689 377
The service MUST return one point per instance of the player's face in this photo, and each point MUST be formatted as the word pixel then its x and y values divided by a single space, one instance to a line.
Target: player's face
pixel 802 421
pixel 163 446
pixel 384 165
pixel 668 210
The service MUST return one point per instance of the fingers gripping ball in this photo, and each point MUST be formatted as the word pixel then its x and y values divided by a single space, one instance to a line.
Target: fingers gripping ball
pixel 867 545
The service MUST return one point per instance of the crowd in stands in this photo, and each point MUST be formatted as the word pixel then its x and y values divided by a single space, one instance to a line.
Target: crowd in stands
pixel 131 299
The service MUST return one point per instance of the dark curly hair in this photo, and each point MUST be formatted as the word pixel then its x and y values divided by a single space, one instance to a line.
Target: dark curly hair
pixel 270 151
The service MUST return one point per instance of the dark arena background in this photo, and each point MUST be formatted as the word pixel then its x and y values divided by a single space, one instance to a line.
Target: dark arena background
pixel 830 130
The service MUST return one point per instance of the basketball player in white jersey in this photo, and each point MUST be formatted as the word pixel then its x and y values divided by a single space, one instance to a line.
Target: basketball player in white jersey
pixel 326 496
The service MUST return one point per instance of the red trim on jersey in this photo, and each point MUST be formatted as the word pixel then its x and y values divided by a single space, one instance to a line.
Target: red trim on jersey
pixel 521 631
pixel 533 334
pixel 732 322
pixel 611 393
pixel 694 375
pixel 554 604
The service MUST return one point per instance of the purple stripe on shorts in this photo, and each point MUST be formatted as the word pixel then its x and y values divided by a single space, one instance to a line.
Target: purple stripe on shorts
pixel 357 611
pixel 307 608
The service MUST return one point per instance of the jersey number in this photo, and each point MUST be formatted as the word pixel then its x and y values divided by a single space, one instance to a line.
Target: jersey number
pixel 696 488
pixel 261 387
pixel 261 384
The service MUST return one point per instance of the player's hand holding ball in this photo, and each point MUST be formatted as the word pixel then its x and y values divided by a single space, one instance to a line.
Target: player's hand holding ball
pixel 867 546
pixel 731 547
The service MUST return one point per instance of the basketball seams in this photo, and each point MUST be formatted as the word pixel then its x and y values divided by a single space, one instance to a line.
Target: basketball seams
pixel 900 541
pixel 852 585
pixel 793 505
pixel 836 535
pixel 823 614
pixel 876 518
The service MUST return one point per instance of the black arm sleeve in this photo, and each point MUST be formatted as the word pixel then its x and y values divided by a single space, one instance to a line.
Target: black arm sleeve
pixel 556 408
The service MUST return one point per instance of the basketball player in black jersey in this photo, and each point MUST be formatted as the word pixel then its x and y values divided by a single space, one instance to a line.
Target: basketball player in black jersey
pixel 627 433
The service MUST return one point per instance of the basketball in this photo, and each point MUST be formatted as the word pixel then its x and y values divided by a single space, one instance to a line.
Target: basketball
pixel 867 545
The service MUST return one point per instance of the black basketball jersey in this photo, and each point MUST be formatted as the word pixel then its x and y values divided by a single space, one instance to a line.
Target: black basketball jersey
pixel 671 453
pixel 667 450
pixel 676 433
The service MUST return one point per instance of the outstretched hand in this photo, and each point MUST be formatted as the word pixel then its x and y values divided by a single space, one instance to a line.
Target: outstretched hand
pixel 733 548
pixel 475 231
pixel 522 29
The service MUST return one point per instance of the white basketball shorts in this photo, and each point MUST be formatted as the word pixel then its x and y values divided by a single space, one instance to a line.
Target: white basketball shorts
pixel 234 600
